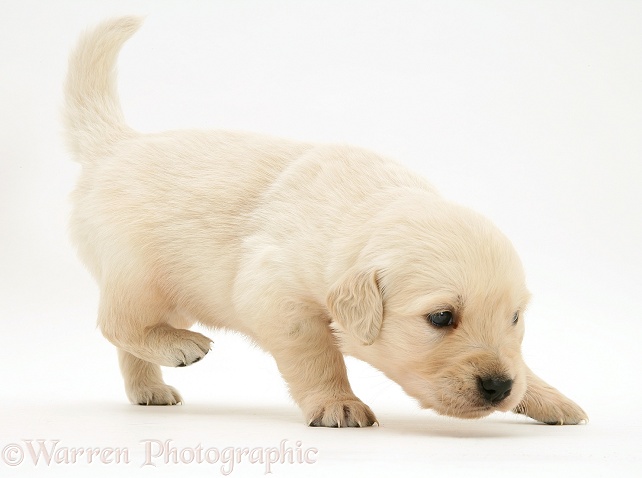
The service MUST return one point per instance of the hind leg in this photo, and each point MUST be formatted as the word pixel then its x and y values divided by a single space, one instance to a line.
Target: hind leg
pixel 140 321
pixel 144 383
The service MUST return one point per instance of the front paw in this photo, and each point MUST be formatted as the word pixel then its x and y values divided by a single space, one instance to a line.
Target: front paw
pixel 552 408
pixel 342 413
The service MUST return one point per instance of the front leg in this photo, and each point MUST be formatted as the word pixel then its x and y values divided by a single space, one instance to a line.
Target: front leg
pixel 545 404
pixel 312 365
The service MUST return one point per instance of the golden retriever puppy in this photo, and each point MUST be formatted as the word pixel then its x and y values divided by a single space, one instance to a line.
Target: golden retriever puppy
pixel 312 251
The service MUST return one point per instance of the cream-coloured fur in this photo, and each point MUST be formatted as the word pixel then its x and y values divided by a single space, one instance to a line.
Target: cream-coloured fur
pixel 312 251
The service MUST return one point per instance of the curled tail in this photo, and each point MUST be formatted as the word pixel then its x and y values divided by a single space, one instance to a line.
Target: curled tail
pixel 93 118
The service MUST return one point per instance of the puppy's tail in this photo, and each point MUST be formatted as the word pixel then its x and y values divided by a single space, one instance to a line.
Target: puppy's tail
pixel 93 118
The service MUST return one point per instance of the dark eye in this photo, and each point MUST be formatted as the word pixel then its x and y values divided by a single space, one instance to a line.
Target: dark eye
pixel 441 319
pixel 516 318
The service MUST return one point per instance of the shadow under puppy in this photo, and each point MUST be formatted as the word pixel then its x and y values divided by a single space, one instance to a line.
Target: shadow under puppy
pixel 312 251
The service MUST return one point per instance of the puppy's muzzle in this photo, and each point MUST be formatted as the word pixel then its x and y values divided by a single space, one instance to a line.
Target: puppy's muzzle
pixel 494 389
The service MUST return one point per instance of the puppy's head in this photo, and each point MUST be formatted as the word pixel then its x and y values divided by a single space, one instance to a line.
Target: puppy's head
pixel 435 300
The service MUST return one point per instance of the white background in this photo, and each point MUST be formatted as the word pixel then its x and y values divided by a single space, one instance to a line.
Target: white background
pixel 529 112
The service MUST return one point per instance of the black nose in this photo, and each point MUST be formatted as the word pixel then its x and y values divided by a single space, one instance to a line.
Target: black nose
pixel 495 389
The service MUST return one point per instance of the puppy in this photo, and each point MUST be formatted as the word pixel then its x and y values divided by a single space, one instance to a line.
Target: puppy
pixel 311 251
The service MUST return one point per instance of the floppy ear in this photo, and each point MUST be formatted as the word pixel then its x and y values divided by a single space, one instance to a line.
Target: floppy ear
pixel 355 303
